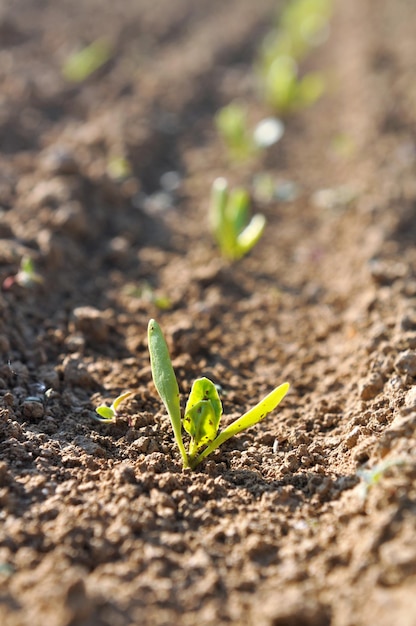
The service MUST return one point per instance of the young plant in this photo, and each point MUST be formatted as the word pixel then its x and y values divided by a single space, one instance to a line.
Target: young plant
pixel 25 277
pixel 303 24
pixel 241 142
pixel 108 414
pixel 80 65
pixel 231 123
pixel 372 477
pixel 229 216
pixel 144 291
pixel 285 91
pixel 203 409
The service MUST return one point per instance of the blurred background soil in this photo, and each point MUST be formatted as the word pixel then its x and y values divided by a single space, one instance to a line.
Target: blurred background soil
pixel 308 519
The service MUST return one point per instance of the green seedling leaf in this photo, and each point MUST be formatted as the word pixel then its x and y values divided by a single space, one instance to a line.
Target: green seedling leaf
pixel 118 168
pixel 199 424
pixel 229 217
pixel 144 291
pixel 302 25
pixel 237 210
pixel 373 476
pixel 255 415
pixel 106 412
pixel 231 123
pixel 165 381
pixel 83 63
pixel 310 89
pixel 27 275
pixel 220 224
pixel 121 399
pixel 204 389
pixel 281 83
pixel 202 414
pixel 248 238
pixel 109 413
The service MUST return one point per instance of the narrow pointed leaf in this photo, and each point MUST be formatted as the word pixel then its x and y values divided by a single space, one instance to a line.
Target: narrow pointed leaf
pixel 121 399
pixel 237 210
pixel 165 381
pixel 248 238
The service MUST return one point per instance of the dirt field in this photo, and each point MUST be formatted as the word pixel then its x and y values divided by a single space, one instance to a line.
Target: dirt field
pixel 286 524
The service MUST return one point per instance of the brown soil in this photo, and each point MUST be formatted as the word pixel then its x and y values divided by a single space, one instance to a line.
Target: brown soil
pixel 99 524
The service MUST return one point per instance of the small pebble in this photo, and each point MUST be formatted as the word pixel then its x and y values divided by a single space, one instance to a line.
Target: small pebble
pixel 406 363
pixel 352 437
pixel 371 387
pixel 410 398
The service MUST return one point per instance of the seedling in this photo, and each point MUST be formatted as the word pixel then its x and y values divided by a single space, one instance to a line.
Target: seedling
pixel 372 477
pixel 203 409
pixel 80 65
pixel 144 291
pixel 303 24
pixel 118 168
pixel 266 188
pixel 108 414
pixel 242 143
pixel 231 123
pixel 233 231
pixel 25 277
pixel 285 91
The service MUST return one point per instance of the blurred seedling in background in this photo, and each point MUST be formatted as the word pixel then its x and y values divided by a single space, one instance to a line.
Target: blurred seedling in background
pixel 144 291
pixel 302 25
pixel 25 277
pixel 80 65
pixel 108 414
pixel 203 409
pixel 334 198
pixel 343 145
pixel 266 188
pixel 234 232
pixel 118 168
pixel 285 91
pixel 372 477
pixel 231 123
pixel 241 143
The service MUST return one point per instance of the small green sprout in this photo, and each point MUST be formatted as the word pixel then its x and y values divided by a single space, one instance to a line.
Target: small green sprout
pixel 108 414
pixel 372 477
pixel 285 91
pixel 231 123
pixel 144 291
pixel 230 224
pixel 25 277
pixel 118 168
pixel 242 143
pixel 303 24
pixel 203 409
pixel 80 65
